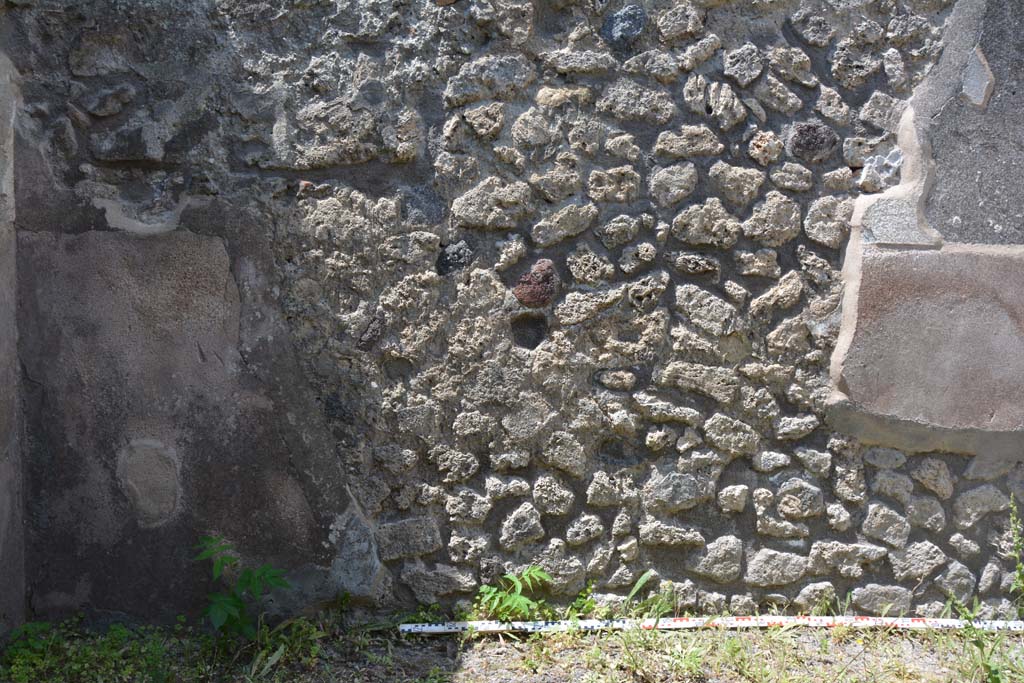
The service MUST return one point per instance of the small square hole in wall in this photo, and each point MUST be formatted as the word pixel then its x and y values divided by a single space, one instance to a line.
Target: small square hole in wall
pixel 528 331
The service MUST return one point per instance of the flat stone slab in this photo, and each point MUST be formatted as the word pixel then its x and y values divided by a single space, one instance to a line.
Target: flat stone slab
pixel 932 355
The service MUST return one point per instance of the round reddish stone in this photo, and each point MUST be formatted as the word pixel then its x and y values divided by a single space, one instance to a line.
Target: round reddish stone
pixel 537 288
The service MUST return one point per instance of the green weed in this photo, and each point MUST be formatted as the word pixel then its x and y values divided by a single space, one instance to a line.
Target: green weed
pixel 511 599
pixel 229 611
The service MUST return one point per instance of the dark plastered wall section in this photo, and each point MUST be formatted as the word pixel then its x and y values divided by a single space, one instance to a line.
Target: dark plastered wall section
pixel 12 557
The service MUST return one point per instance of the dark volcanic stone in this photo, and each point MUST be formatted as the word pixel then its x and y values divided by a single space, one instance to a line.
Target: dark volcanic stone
pixel 453 257
pixel 812 141
pixel 537 288
pixel 696 264
pixel 622 29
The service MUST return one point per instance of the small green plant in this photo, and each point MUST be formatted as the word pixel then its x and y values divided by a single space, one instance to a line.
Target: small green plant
pixel 292 642
pixel 435 675
pixel 40 651
pixel 229 611
pixel 510 600
pixel 1017 555
pixel 424 614
pixel 655 606
pixel 986 645
pixel 583 605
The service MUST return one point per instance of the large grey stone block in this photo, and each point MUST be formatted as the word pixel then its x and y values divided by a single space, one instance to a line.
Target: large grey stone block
pixel 933 355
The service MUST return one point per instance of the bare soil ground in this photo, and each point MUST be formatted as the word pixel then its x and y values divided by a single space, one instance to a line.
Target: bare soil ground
pixel 780 655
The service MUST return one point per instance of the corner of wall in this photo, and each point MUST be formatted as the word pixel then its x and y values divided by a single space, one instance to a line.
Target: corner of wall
pixel 12 551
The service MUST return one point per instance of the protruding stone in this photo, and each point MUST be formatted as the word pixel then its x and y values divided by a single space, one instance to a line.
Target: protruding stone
pixel 882 111
pixel 964 546
pixel 732 436
pixel 894 485
pixel 736 184
pixel 671 185
pixel 537 288
pixel 814 461
pixel 707 224
pixel 454 257
pixel 690 141
pixel 627 100
pixel 848 559
pixel 743 64
pixel 667 493
pixel 890 601
pixel 489 77
pixel 773 568
pixel 916 561
pixel 493 205
pixel 551 496
pixel 838 517
pixel 620 184
pixel 934 475
pixel 815 597
pixel 683 21
pixel 431 585
pixel 828 221
pixel 568 221
pixel 717 382
pixel 705 310
pixel 769 461
pixel 563 451
pixel 765 147
pixel 521 527
pixel 884 458
pixel 792 177
pixel 584 529
pixel 886 525
pixel 972 506
pixel 700 52
pixel 733 498
pixel 927 513
pixel 957 581
pixel 668 535
pixel 799 499
pixel 624 27
pixel 775 221
pixel 811 141
pixel 720 561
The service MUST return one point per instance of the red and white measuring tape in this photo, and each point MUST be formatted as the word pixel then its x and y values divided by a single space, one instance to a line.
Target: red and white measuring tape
pixel 684 623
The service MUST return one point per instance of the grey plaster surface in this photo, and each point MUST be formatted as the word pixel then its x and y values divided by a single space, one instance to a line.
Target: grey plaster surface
pixel 977 137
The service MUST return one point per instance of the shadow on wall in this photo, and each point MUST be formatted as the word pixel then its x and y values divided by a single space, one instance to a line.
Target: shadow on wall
pixel 150 427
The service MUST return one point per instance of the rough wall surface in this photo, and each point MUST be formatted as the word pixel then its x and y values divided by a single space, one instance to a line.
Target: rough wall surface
pixel 402 296
pixel 12 561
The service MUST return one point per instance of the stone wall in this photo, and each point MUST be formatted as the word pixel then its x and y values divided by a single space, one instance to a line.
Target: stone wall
pixel 12 561
pixel 404 295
